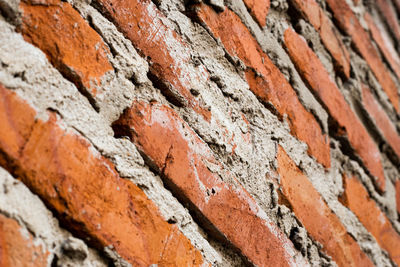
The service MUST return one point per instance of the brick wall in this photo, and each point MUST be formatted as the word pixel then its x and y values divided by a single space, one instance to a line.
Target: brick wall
pixel 199 133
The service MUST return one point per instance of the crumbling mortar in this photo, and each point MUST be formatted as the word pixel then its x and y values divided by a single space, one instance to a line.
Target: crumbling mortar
pixel 93 126
pixel 264 116
pixel 226 160
pixel 269 39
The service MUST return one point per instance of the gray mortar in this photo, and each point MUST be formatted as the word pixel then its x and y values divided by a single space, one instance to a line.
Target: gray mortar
pixel 18 203
pixel 372 9
pixel 343 164
pixel 268 39
pixel 352 94
pixel 250 162
pixel 354 90
pixel 217 4
pixel 111 82
pixel 146 91
pixel 43 87
pixel 386 201
pixel 10 9
pixel 351 88
pixel 364 74
pixel 228 95
pixel 311 35
pixel 317 175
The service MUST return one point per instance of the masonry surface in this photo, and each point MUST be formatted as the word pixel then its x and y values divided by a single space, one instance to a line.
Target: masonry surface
pixel 199 133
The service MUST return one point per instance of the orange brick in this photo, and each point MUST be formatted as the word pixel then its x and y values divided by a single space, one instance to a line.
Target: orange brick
pixel 356 198
pixel 183 159
pixel 312 71
pixel 390 17
pixel 381 119
pixel 270 85
pixel 329 36
pixel 86 193
pixel 70 44
pixel 398 195
pixel 350 24
pixel 16 124
pixel 397 4
pixel 258 9
pixel 384 44
pixel 321 223
pixel 168 55
pixel 17 249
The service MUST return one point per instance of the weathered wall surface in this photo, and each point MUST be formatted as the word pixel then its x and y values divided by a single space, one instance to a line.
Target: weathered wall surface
pixel 199 133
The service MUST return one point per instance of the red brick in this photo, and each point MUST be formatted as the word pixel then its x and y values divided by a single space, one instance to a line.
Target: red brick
pixel 270 85
pixel 168 55
pixel 322 224
pixel 70 44
pixel 319 81
pixel 356 198
pixel 183 159
pixel 385 44
pixel 397 4
pixel 329 36
pixel 398 195
pixel 258 9
pixel 86 193
pixel 350 24
pixel 16 124
pixel 381 119
pixel 18 249
pixel 390 16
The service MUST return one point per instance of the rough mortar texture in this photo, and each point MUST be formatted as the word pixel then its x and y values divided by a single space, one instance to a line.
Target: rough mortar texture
pixel 199 133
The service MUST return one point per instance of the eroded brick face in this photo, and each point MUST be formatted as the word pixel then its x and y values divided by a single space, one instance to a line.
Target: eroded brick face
pixel 86 192
pixel 258 9
pixel 199 133
pixel 184 160
pixel 17 247
pixel 71 45
pixel 142 23
pixel 265 79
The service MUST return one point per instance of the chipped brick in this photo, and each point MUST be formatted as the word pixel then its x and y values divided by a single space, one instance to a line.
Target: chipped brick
pixel 258 9
pixel 184 160
pixel 17 248
pixel 168 56
pixel 70 44
pixel 86 192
